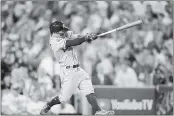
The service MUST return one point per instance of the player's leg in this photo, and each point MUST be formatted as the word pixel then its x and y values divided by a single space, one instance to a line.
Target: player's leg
pixel 49 104
pixel 68 88
pixel 87 88
pixel 93 101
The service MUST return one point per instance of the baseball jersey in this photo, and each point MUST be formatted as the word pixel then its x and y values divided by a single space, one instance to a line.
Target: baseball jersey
pixel 65 56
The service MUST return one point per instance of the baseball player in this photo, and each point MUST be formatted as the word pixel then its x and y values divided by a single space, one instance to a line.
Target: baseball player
pixel 62 41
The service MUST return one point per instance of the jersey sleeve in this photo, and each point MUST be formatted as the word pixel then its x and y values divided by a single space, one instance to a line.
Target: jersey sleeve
pixel 57 44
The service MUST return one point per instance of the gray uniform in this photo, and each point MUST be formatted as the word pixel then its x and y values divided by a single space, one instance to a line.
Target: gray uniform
pixel 71 78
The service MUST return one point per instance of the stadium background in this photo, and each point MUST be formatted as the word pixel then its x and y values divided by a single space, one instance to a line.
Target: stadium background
pixel 137 57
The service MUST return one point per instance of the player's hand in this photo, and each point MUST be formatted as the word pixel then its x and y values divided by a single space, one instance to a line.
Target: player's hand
pixel 94 36
pixel 91 37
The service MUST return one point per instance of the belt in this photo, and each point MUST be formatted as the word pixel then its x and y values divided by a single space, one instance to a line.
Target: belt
pixel 73 66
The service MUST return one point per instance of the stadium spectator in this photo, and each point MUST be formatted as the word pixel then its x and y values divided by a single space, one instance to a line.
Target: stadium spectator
pixel 125 76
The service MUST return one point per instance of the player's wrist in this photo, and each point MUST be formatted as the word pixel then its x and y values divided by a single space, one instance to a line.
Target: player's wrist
pixel 87 37
pixel 90 37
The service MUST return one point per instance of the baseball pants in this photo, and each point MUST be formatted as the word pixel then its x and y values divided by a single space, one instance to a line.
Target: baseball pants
pixel 73 79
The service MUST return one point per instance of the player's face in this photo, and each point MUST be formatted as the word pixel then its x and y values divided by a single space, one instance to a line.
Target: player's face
pixel 62 33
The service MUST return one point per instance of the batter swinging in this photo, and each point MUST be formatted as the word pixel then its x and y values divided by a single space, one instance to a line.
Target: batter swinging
pixel 72 76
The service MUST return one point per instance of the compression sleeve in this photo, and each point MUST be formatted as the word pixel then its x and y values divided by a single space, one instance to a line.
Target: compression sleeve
pixel 74 42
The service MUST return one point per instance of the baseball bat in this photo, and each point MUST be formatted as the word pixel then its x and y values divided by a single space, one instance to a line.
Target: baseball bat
pixel 122 27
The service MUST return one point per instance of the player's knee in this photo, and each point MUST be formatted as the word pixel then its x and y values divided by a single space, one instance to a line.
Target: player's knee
pixel 88 92
pixel 89 96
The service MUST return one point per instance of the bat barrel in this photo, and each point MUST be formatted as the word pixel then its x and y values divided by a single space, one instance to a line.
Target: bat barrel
pixel 130 25
pixel 122 27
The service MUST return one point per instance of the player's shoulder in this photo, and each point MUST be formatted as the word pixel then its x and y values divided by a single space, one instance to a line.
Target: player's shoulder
pixel 69 34
pixel 57 43
pixel 72 35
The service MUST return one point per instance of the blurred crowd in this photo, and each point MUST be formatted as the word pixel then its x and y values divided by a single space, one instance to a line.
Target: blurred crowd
pixel 135 57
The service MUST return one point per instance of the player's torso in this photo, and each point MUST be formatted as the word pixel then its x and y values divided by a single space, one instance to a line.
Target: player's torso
pixel 66 57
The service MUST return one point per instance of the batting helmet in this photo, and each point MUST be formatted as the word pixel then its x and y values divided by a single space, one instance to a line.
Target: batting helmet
pixel 57 26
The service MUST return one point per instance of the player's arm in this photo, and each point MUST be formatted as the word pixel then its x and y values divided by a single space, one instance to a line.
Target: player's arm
pixel 63 44
pixel 74 42
pixel 79 39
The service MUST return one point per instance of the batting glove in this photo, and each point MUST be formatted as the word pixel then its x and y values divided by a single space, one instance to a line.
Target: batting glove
pixel 91 37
